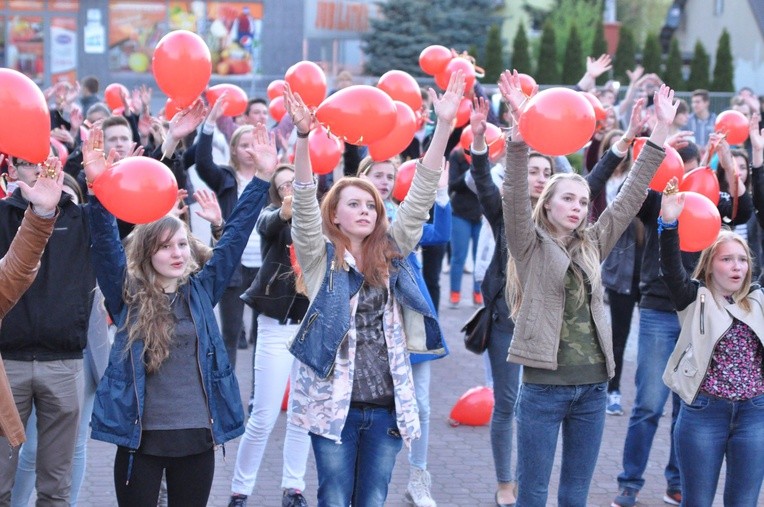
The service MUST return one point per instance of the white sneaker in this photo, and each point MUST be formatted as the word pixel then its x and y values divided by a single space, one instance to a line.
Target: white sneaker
pixel 418 489
pixel 614 404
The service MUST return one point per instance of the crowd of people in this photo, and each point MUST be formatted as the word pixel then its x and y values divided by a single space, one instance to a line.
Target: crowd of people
pixel 109 329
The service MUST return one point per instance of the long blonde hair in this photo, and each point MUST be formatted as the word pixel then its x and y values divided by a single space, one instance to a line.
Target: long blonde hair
pixel 583 253
pixel 149 316
pixel 235 138
pixel 703 271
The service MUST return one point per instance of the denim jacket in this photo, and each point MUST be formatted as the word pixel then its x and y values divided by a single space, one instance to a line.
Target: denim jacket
pixel 118 409
pixel 326 342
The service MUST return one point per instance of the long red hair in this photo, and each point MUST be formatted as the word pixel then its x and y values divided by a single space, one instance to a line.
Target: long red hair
pixel 377 249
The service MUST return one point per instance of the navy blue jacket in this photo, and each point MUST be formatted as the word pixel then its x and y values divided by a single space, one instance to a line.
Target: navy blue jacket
pixel 119 402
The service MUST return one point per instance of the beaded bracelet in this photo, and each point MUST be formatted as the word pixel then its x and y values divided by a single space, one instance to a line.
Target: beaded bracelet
pixel 663 225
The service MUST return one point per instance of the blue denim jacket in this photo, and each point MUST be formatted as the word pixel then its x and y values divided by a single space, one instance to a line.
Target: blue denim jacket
pixel 316 345
pixel 119 402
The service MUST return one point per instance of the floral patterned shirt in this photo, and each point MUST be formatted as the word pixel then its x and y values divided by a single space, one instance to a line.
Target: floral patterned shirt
pixel 736 371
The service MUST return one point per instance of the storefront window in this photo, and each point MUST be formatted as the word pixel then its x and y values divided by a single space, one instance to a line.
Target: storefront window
pixel 63 49
pixel 25 46
pixel 230 29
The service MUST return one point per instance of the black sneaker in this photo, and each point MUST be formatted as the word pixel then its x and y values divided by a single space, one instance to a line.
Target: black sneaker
pixel 293 498
pixel 238 501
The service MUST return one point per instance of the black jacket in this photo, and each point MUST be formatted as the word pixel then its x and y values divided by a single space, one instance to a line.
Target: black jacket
pixel 655 294
pixel 50 322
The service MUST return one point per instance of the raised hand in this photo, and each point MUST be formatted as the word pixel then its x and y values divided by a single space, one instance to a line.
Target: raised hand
pixel 286 208
pixel 46 192
pixel 263 152
pixel 680 139
pixel 595 68
pixel 512 92
pixel 186 121
pixel 637 120
pixel 479 116
pixel 447 104
pixel 63 135
pixel 135 150
pixel 210 208
pixel 93 161
pixel 144 125
pixel 76 119
pixel 635 74
pixel 216 111
pixel 180 207
pixel 756 135
pixel 298 111
pixel 665 106
pixel 672 202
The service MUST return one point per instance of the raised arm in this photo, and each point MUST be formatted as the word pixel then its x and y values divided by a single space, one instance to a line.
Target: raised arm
pixel 516 201
pixel 681 287
pixel 487 192
pixel 406 229
pixel 213 175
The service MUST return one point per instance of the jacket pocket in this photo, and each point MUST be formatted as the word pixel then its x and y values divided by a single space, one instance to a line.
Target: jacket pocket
pixel 227 410
pixel 116 409
pixel 686 364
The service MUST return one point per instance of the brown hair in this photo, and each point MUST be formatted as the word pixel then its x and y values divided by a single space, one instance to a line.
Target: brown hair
pixel 377 249
pixel 273 191
pixel 367 164
pixel 703 269
pixel 149 316
pixel 113 121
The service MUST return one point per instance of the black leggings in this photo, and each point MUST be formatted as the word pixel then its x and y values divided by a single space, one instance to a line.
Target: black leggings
pixel 621 310
pixel 189 479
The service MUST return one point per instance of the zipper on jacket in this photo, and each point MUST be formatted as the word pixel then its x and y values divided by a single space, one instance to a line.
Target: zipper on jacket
pixel 334 361
pixel 686 350
pixel 201 374
pixel 137 421
pixel 307 326
pixel 702 313
pixel 331 275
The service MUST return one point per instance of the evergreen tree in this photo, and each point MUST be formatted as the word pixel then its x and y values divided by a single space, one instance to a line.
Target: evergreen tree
pixel 673 73
pixel 493 60
pixel 521 58
pixel 574 63
pixel 624 55
pixel 458 24
pixel 397 37
pixel 599 47
pixel 546 67
pixel 699 69
pixel 652 55
pixel 723 71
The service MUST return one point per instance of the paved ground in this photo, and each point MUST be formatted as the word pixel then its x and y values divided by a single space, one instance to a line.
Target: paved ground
pixel 459 458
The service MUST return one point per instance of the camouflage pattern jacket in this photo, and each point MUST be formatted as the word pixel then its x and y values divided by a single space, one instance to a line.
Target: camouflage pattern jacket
pixel 320 396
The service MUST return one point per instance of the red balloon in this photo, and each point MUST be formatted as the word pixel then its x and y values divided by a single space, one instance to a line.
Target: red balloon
pixel 493 139
pixel 703 181
pixel 171 109
pixel 276 88
pixel 557 121
pixel 399 137
pixel 463 113
pixel 325 151
pixel 699 223
pixel 137 190
pixel 467 68
pixel 734 124
pixel 599 111
pixel 401 86
pixel 403 179
pixel 277 109
pixel 359 114
pixel 473 408
pixel 112 95
pixel 59 150
pixel 527 83
pixel 285 399
pixel 433 59
pixel 236 98
pixel 672 165
pixel 25 133
pixel 182 66
pixel 307 79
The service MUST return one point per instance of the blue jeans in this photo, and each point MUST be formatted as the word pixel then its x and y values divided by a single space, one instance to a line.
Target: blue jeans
pixel 658 332
pixel 506 377
pixel 707 432
pixel 462 231
pixel 358 470
pixel 418 453
pixel 541 411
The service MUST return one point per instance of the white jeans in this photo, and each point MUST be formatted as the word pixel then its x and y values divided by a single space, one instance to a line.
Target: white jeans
pixel 273 365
